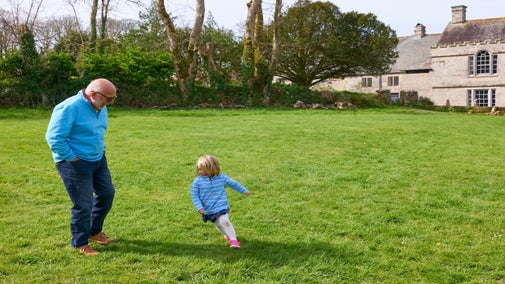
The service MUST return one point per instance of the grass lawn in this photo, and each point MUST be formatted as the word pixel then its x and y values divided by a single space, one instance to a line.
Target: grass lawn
pixel 367 196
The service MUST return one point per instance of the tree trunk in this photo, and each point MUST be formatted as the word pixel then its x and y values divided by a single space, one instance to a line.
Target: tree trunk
pixel 185 67
pixel 103 25
pixel 92 25
pixel 192 51
pixel 209 53
pixel 260 64
pixel 248 55
pixel 276 43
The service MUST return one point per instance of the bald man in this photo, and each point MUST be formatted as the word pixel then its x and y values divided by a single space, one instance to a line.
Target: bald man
pixel 75 135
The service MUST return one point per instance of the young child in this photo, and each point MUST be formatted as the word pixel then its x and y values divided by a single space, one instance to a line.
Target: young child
pixel 208 194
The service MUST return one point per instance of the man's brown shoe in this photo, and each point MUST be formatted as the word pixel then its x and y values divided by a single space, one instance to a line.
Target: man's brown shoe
pixel 87 250
pixel 101 239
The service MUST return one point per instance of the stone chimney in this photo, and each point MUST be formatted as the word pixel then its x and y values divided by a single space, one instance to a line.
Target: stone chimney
pixel 458 14
pixel 420 30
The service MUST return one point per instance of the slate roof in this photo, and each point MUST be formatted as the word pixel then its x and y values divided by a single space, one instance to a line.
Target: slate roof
pixel 474 31
pixel 414 53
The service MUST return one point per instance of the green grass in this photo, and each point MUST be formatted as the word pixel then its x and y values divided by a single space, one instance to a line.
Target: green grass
pixel 371 196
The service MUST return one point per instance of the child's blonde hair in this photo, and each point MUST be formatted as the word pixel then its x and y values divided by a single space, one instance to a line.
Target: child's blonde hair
pixel 210 164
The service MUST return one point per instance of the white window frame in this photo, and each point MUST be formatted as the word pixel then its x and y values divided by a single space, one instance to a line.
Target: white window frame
pixel 481 97
pixel 483 63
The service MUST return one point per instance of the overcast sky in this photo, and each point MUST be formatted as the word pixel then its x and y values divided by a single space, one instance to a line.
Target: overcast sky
pixel 400 15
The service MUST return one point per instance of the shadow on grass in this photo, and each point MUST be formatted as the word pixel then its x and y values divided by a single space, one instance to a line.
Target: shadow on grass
pixel 275 253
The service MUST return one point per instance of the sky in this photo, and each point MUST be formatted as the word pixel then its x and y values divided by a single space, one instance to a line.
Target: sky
pixel 401 15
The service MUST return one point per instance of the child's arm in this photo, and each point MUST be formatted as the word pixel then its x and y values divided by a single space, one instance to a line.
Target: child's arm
pixel 235 185
pixel 195 198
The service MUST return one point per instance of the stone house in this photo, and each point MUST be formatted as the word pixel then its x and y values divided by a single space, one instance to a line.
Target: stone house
pixel 462 66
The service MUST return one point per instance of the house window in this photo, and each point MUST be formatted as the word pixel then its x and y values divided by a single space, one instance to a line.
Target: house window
pixel 483 64
pixel 495 64
pixel 395 97
pixel 366 82
pixel 481 97
pixel 393 80
pixel 470 65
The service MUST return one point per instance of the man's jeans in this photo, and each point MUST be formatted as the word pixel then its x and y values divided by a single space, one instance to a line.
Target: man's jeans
pixel 90 189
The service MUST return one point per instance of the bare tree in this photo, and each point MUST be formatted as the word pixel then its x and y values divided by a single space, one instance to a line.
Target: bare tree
pixel 81 32
pixel 105 6
pixel 19 18
pixel 26 17
pixel 61 32
pixel 118 28
pixel 185 59
pixel 48 35
pixel 92 20
pixel 8 33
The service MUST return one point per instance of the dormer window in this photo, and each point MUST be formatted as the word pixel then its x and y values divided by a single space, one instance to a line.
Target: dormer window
pixel 483 63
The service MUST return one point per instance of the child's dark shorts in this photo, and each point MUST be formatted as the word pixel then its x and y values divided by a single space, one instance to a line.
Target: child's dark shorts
pixel 213 217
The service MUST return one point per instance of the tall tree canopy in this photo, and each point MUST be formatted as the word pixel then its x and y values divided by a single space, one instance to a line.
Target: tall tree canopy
pixel 320 42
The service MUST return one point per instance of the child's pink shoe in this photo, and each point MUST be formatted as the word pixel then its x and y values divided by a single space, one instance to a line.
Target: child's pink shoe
pixel 226 238
pixel 234 244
